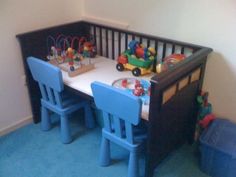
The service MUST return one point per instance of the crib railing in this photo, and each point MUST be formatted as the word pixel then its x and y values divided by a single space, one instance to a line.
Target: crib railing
pixel 111 42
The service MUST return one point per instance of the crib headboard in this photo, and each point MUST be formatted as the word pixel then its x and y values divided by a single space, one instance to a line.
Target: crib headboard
pixel 173 108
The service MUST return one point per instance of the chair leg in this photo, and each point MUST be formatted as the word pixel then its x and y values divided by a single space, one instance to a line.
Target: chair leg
pixel 45 119
pixel 105 152
pixel 133 168
pixel 89 118
pixel 65 130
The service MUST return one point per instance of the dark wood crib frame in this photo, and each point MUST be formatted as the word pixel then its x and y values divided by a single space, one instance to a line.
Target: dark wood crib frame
pixel 173 108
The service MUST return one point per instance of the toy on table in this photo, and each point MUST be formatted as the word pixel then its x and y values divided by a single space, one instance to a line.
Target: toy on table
pixel 137 58
pixel 87 48
pixel 69 56
pixel 137 87
pixel 169 61
pixel 174 58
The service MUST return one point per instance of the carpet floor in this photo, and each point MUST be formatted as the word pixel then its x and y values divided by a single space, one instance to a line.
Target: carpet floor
pixel 30 152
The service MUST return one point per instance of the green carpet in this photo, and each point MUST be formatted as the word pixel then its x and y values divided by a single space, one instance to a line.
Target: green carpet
pixel 29 152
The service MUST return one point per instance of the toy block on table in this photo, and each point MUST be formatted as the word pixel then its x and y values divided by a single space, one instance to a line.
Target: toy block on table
pixel 137 58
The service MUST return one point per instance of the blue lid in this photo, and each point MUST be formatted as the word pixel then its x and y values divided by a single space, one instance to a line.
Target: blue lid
pixel 221 135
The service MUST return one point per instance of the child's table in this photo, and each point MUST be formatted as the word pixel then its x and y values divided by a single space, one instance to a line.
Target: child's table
pixel 105 71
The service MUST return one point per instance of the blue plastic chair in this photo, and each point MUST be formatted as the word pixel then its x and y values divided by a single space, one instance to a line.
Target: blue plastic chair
pixel 56 99
pixel 121 114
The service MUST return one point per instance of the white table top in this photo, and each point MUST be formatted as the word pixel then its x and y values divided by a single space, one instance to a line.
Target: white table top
pixel 105 71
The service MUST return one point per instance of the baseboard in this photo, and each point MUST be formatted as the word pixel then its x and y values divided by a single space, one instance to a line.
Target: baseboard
pixel 16 125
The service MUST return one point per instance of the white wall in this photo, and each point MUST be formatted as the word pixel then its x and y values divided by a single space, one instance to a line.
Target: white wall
pixel 205 22
pixel 18 17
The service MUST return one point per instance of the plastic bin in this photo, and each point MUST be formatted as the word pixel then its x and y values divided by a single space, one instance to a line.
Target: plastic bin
pixel 218 149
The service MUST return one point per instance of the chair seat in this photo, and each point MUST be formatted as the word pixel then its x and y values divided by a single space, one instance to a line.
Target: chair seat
pixel 68 99
pixel 69 106
pixel 140 131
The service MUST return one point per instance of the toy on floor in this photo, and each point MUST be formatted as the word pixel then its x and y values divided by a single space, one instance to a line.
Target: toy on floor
pixel 137 58
pixel 72 57
pixel 137 87
pixel 205 115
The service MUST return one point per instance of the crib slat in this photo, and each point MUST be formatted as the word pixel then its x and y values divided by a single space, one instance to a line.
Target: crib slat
pixel 126 41
pixel 164 50
pixel 119 43
pixel 156 46
pixel 100 34
pixel 173 49
pixel 141 40
pixel 148 43
pixel 182 50
pixel 107 50
pixel 133 37
pixel 113 46
pixel 95 36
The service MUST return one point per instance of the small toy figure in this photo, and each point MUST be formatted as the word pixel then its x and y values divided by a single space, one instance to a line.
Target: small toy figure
pixel 56 54
pixel 53 53
pixel 89 50
pixel 70 56
pixel 139 52
pixel 151 53
pixel 138 88
pixel 133 46
pixel 124 83
pixel 137 83
pixel 205 116
pixel 86 48
pixel 206 120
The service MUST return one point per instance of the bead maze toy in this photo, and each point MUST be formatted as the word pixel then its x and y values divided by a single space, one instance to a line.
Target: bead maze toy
pixel 137 58
pixel 72 57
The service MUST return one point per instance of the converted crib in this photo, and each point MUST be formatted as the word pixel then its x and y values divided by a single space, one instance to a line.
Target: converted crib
pixel 173 108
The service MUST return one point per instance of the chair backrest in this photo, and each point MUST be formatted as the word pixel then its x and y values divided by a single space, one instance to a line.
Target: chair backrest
pixel 121 110
pixel 49 78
